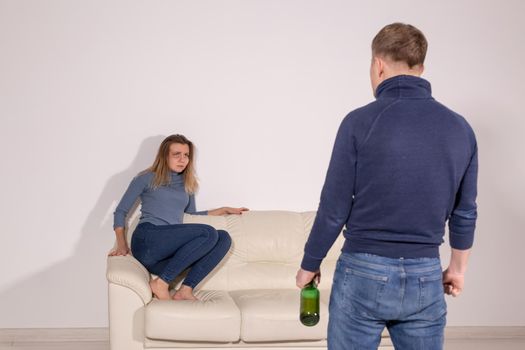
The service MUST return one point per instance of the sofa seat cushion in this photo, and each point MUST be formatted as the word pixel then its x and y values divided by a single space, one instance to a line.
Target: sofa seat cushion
pixel 273 315
pixel 212 318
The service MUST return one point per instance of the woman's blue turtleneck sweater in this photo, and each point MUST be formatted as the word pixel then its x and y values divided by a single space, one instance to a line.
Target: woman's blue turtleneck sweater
pixel 164 205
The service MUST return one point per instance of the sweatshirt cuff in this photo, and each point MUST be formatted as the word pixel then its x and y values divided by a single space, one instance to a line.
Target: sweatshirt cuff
pixel 461 241
pixel 311 264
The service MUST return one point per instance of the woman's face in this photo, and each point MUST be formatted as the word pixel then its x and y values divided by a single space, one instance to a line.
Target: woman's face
pixel 178 157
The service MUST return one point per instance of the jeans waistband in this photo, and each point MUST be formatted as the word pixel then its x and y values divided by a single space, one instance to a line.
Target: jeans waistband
pixel 415 265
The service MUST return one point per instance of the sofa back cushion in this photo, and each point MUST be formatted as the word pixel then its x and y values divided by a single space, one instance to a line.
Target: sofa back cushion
pixel 266 252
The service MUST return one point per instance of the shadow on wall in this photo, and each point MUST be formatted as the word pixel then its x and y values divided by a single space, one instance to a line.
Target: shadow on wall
pixel 73 292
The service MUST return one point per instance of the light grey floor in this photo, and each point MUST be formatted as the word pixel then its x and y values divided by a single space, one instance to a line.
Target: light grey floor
pixel 456 338
pixel 485 344
pixel 56 346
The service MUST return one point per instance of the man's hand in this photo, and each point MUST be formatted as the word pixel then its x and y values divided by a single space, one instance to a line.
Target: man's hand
pixel 453 283
pixel 304 277
pixel 454 275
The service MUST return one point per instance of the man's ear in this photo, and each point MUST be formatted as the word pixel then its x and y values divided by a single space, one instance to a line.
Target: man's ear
pixel 380 63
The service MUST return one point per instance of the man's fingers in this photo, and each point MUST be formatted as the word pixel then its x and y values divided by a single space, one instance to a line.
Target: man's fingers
pixel 304 277
pixel 449 289
pixel 300 283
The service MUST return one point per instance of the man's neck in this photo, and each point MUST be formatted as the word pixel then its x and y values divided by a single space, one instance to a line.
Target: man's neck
pixel 392 69
pixel 390 74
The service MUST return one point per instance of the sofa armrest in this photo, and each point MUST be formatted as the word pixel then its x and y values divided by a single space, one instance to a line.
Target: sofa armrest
pixel 126 271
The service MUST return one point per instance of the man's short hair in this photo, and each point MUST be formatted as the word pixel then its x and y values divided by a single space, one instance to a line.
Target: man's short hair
pixel 401 42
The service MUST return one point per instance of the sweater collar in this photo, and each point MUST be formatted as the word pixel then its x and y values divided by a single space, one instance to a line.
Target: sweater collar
pixel 176 176
pixel 404 86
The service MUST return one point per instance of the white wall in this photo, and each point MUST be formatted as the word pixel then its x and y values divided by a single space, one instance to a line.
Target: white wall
pixel 89 88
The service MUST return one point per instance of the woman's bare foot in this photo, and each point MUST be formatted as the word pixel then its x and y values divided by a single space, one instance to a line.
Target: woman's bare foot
pixel 160 289
pixel 184 293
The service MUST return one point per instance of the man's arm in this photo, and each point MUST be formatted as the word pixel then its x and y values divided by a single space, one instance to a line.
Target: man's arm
pixel 462 223
pixel 334 206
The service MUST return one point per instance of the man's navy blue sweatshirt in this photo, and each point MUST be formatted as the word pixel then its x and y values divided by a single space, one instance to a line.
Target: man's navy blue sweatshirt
pixel 401 167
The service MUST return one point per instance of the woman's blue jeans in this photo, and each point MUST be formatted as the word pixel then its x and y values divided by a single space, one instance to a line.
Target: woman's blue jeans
pixel 371 292
pixel 167 250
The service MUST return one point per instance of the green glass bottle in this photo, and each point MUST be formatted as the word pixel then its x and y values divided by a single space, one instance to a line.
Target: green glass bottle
pixel 309 315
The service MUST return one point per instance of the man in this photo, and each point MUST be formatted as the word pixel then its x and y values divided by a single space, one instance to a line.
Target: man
pixel 400 168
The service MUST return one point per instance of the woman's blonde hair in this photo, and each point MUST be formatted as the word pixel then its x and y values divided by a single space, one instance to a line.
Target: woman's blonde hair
pixel 162 171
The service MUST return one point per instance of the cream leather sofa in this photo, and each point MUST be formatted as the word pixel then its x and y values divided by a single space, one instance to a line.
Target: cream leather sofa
pixel 248 302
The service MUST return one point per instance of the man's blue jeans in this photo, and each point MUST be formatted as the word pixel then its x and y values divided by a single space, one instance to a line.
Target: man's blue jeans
pixel 167 250
pixel 371 292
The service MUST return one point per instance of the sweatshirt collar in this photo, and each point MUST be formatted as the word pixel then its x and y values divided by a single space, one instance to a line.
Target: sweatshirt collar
pixel 404 86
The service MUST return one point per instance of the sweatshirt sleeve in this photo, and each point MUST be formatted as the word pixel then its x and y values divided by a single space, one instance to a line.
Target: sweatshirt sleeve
pixel 336 199
pixel 135 189
pixel 191 208
pixel 462 221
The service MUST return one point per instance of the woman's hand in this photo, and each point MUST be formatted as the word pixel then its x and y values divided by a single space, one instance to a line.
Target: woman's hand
pixel 122 244
pixel 236 211
pixel 122 249
pixel 227 211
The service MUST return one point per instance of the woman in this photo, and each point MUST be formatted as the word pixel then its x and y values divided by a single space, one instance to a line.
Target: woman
pixel 161 242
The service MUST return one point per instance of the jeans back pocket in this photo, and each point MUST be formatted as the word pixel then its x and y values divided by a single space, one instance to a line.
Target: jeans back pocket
pixel 432 305
pixel 364 290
